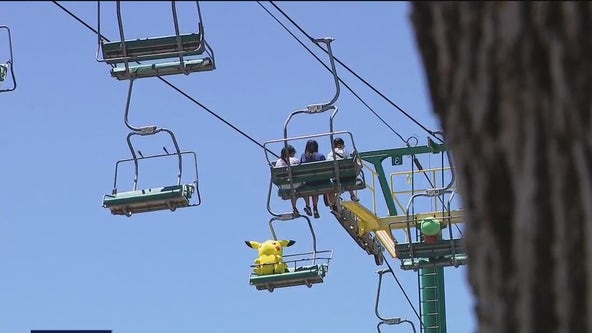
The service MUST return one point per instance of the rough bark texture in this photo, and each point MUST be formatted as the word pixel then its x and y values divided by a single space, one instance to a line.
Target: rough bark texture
pixel 512 84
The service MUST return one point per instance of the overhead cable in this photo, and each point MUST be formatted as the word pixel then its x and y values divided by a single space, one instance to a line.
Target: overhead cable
pixel 355 74
pixel 171 85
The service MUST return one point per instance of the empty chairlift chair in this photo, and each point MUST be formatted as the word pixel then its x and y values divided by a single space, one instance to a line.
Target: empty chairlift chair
pixel 385 320
pixel 166 55
pixel 169 197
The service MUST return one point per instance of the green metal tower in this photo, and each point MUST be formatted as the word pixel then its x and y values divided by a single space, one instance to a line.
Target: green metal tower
pixel 429 242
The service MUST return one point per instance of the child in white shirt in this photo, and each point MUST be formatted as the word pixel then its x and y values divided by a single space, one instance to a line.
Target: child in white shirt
pixel 341 153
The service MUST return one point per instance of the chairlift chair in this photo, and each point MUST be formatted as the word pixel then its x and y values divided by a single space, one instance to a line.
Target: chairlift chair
pixel 169 197
pixel 306 268
pixel 315 178
pixel 321 177
pixel 385 320
pixel 165 55
pixel 440 252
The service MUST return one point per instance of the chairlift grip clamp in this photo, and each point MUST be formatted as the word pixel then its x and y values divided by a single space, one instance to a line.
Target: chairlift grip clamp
pixel 147 130
pixel 318 108
pixel 325 40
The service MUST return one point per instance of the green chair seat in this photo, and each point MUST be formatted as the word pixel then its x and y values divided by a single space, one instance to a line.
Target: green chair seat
pixel 147 200
pixel 318 177
pixel 445 261
pixel 305 275
pixel 162 69
pixel 443 253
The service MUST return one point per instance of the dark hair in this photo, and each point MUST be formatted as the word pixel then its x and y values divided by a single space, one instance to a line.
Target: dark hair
pixel 338 141
pixel 285 154
pixel 311 147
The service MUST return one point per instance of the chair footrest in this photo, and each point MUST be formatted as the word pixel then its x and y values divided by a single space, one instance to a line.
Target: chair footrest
pixel 148 200
pixel 306 275
pixel 163 69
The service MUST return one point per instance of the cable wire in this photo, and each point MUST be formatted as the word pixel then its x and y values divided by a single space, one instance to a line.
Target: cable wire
pixel 329 69
pixel 369 85
pixel 404 293
pixel 249 137
pixel 171 85
pixel 355 74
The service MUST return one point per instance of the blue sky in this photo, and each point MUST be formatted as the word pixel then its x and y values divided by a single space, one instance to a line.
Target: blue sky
pixel 67 263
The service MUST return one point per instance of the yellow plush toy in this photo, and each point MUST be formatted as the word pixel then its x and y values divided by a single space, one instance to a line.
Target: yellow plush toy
pixel 270 259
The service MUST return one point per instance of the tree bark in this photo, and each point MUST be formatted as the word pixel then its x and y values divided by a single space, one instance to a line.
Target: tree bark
pixel 512 85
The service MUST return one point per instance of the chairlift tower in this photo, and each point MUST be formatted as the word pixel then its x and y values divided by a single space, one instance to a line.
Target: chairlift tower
pixel 421 238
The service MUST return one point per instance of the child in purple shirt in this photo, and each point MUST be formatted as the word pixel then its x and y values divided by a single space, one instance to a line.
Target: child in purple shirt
pixel 311 154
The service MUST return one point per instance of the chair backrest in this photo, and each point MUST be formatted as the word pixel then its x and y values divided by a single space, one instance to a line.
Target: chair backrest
pixel 153 48
pixel 317 178
pixel 316 172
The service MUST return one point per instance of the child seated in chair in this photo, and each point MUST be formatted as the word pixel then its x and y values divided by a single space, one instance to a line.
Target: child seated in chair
pixel 339 152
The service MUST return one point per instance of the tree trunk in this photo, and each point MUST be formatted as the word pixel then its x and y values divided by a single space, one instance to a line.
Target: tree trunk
pixel 512 85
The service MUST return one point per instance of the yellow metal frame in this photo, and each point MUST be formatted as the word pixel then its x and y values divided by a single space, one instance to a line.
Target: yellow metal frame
pixel 369 221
